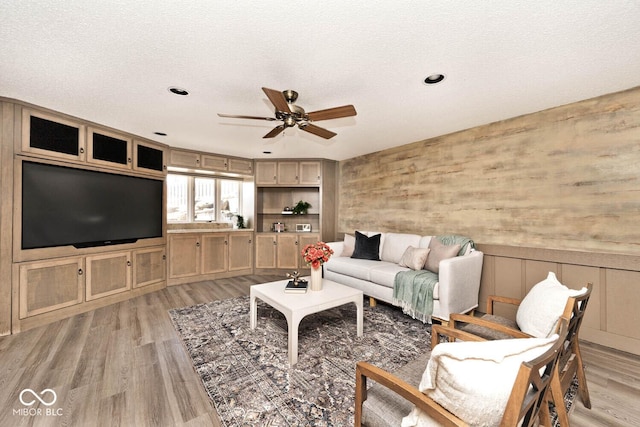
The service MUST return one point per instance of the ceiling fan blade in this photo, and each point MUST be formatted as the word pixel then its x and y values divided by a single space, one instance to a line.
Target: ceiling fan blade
pixel 236 116
pixel 275 131
pixel 277 99
pixel 332 113
pixel 317 130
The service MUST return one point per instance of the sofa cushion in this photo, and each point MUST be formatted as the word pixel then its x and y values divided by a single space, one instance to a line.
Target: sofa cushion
pixel 367 247
pixel 414 258
pixel 541 308
pixel 473 380
pixel 424 241
pixel 438 253
pixel 353 267
pixel 349 245
pixel 384 273
pixel 395 244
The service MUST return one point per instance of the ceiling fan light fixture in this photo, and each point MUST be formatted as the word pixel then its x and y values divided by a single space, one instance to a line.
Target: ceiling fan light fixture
pixel 433 79
pixel 178 91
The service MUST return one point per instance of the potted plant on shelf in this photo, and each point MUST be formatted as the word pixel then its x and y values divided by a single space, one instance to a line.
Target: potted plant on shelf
pixel 240 222
pixel 301 208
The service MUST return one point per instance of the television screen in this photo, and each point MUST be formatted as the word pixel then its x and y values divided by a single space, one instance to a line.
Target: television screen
pixel 67 206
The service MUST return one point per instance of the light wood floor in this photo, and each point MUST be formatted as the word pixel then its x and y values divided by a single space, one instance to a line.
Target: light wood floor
pixel 123 365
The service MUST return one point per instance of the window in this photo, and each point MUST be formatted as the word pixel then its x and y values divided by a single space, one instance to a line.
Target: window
pixel 196 198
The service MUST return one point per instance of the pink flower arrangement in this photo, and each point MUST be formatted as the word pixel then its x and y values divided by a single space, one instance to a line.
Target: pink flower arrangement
pixel 317 254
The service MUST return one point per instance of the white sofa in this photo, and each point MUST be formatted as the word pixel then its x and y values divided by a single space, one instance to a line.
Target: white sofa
pixel 458 278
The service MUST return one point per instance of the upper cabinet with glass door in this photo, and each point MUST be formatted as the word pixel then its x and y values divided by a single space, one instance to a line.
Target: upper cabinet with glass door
pixel 51 136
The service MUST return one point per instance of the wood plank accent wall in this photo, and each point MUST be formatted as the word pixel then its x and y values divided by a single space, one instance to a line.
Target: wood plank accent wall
pixel 564 178
pixel 557 190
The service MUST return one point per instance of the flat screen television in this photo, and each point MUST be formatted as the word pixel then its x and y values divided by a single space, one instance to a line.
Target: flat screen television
pixel 67 206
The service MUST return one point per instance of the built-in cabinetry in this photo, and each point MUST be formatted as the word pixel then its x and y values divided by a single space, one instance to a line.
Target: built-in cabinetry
pixel 50 283
pixel 280 185
pixel 282 250
pixel 209 255
pixel 209 162
pixel 58 284
pixel 47 135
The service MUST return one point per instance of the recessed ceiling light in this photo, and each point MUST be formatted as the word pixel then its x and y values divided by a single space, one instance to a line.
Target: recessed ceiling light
pixel 178 91
pixel 160 133
pixel 433 79
pixel 266 152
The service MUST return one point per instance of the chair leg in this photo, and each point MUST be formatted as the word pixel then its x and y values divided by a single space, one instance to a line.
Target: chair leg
pixel 361 396
pixel 583 390
pixel 557 395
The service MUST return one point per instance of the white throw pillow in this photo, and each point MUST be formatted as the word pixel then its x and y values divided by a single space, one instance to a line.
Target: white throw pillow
pixel 541 308
pixel 349 245
pixel 414 258
pixel 473 380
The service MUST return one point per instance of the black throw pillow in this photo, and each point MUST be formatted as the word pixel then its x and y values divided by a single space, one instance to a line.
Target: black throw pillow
pixel 367 247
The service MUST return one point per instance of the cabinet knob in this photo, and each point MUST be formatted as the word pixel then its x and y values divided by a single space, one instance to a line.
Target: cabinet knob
pixel 226 242
pixel 249 240
pixel 128 263
pixel 164 257
pixel 81 150
pixel 197 244
pixel 129 160
pixel 80 272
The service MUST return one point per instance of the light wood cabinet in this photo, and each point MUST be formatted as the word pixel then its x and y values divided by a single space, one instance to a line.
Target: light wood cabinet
pixel 108 274
pixel 55 284
pixel 184 255
pixel 310 173
pixel 210 162
pixel 266 172
pixel 282 250
pixel 107 148
pixel 209 255
pixel 289 172
pixel 214 251
pixel 240 251
pixel 149 266
pixel 50 285
pixel 51 136
pixel 242 166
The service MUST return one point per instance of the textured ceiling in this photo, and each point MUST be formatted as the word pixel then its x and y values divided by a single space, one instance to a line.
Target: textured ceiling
pixel 112 62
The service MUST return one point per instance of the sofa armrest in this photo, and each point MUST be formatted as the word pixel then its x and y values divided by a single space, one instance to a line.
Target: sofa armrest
pixel 459 279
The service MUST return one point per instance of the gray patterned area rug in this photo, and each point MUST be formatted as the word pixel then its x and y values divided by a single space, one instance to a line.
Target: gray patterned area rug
pixel 247 375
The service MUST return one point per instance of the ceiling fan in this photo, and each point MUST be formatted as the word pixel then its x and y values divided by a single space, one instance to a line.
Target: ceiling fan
pixel 291 114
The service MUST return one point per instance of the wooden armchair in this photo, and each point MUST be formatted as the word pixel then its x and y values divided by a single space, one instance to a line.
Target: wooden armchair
pixel 526 404
pixel 570 362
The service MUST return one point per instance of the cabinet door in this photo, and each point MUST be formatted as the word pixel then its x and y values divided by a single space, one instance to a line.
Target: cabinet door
pixel 149 266
pixel 266 173
pixel 242 166
pixel 266 250
pixel 50 285
pixel 288 173
pixel 109 148
pixel 49 135
pixel 210 162
pixel 304 240
pixel 240 251
pixel 185 159
pixel 108 274
pixel 214 252
pixel 310 173
pixel 288 251
pixel 184 255
pixel 149 157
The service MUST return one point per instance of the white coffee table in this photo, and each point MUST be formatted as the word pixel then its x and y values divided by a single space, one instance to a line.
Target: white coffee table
pixel 296 306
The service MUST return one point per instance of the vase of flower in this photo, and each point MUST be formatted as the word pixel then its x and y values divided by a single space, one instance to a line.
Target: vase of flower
pixel 315 255
pixel 316 279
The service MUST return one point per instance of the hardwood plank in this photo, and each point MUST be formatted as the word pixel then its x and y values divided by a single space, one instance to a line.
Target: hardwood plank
pixel 124 365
